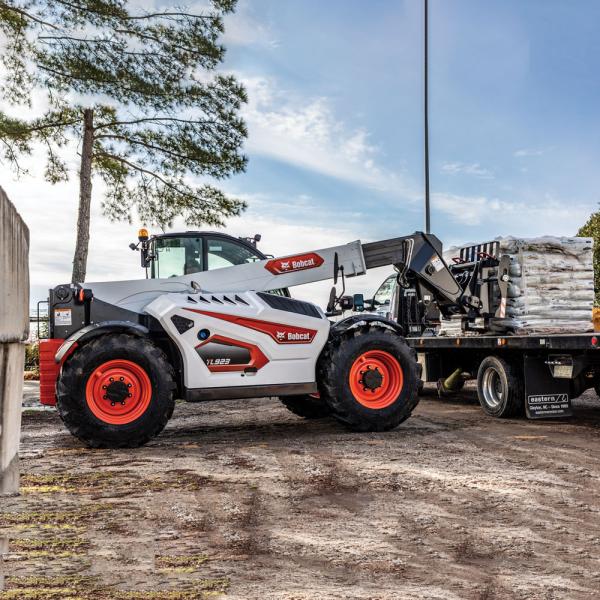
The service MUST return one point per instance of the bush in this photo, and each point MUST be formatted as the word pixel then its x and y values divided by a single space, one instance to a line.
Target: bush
pixel 32 357
pixel 592 229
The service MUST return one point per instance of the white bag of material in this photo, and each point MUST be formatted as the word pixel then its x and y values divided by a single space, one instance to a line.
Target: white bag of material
pixel 552 284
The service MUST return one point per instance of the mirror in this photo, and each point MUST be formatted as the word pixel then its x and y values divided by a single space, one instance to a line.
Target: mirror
pixel 195 286
pixel 336 267
pixel 359 302
pixel 331 303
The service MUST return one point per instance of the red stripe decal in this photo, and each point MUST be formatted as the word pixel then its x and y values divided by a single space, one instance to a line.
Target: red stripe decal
pixel 282 334
pixel 299 262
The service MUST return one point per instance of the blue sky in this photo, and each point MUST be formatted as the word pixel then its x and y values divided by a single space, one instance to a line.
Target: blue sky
pixel 335 122
pixel 514 111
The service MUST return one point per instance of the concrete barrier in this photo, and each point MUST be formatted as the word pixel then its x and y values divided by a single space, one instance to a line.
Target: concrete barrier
pixel 14 330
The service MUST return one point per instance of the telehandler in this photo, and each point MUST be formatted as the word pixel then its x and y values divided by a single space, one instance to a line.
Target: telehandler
pixel 121 352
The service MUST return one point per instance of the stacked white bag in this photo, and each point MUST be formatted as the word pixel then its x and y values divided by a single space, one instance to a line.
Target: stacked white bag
pixel 552 284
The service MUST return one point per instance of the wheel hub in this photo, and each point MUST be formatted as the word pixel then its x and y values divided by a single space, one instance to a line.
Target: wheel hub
pixel 117 391
pixel 372 378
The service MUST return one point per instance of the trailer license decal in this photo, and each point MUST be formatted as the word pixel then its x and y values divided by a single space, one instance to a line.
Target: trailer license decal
pixel 548 405
pixel 62 316
pixel 290 264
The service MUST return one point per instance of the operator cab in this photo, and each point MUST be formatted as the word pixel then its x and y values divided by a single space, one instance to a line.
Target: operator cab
pixel 174 254
pixel 193 252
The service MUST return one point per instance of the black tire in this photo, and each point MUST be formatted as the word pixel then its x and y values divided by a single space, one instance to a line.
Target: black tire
pixel 334 371
pixel 76 412
pixel 500 388
pixel 306 406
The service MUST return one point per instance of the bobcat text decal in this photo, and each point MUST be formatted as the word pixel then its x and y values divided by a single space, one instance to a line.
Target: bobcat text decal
pixel 282 334
pixel 279 266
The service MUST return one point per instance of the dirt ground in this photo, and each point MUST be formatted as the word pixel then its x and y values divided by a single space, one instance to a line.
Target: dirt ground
pixel 242 499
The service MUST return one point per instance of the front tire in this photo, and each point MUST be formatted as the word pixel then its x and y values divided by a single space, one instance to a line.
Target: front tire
pixel 500 388
pixel 368 376
pixel 117 391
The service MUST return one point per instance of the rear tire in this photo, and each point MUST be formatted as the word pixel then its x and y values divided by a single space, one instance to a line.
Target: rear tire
pixel 500 388
pixel 117 391
pixel 306 406
pixel 388 394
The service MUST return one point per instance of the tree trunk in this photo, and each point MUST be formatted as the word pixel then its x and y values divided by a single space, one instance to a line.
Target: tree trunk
pixel 85 199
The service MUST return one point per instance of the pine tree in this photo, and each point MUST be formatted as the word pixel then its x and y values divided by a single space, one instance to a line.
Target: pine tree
pixel 138 90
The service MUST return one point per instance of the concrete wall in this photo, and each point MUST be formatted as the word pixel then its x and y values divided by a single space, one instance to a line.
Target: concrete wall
pixel 14 330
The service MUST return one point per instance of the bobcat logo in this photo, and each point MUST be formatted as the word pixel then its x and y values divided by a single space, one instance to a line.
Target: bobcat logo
pixel 285 265
pixel 280 335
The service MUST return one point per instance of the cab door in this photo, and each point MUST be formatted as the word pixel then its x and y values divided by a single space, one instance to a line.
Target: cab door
pixel 382 300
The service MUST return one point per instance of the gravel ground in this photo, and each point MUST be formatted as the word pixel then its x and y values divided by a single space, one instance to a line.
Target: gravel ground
pixel 245 500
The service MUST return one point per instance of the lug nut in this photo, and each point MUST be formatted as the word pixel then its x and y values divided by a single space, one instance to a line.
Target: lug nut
pixel 111 379
pixel 129 396
pixel 112 403
pixel 121 378
pixel 103 387
pixel 104 397
pixel 123 403
pixel 128 385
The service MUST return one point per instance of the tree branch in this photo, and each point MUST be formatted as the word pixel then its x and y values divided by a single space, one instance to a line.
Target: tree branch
pixel 141 169
pixel 136 17
pixel 156 120
pixel 135 142
pixel 27 15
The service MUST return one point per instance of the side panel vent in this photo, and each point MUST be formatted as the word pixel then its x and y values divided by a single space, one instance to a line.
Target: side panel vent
pixel 290 305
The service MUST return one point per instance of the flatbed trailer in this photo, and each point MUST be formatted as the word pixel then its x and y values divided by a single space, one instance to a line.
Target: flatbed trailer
pixel 536 374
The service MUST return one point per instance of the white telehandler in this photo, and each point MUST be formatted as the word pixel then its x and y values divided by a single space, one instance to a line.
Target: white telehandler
pixel 121 352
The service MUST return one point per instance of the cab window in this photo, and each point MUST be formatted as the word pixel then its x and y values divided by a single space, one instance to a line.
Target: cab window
pixel 177 256
pixel 383 295
pixel 221 253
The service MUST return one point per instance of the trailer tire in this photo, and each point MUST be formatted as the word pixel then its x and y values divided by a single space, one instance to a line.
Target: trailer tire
pixel 389 397
pixel 306 406
pixel 500 388
pixel 116 391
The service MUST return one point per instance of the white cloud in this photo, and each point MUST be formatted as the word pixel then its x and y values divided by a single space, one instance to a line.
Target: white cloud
pixel 306 133
pixel 243 29
pixel 546 215
pixel 526 152
pixel 473 169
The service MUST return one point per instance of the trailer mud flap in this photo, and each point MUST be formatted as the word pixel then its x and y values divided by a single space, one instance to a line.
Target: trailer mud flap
pixel 545 396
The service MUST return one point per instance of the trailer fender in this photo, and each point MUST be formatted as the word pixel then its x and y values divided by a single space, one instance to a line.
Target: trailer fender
pixel 358 320
pixel 91 331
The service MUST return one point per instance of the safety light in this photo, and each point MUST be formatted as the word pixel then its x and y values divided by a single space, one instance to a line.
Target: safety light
pixel 594 341
pixel 142 234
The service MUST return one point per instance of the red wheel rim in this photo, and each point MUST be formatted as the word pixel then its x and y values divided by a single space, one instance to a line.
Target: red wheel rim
pixel 118 392
pixel 376 379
